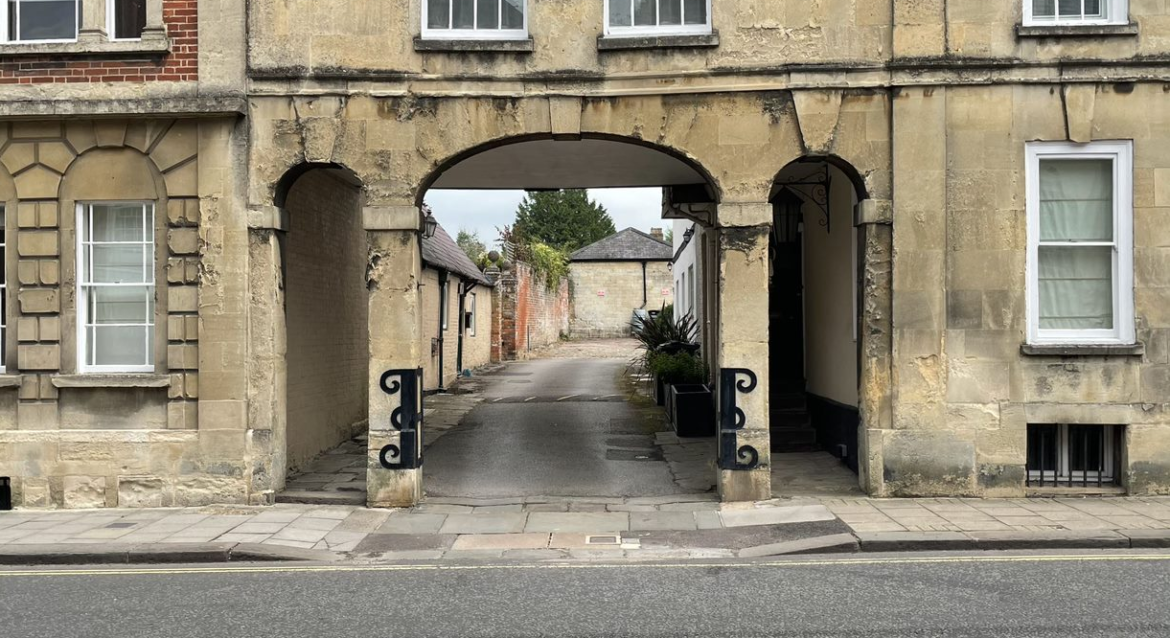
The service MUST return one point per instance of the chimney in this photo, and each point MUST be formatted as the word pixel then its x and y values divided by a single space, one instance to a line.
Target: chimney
pixel 656 233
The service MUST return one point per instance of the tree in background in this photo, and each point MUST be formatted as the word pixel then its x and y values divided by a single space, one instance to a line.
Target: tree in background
pixel 471 244
pixel 669 237
pixel 563 219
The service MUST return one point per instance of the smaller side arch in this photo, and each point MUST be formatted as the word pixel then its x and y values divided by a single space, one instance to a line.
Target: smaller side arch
pixel 855 177
pixel 289 178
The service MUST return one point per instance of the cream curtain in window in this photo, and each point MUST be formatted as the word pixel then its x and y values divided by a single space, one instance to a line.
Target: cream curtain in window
pixel 1076 245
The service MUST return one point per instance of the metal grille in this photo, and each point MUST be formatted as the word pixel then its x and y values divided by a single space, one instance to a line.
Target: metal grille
pixel 1068 455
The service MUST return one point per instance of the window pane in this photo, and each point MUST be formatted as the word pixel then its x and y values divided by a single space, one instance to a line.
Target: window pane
pixel 438 14
pixel 1076 288
pixel 695 11
pixel 1093 9
pixel 121 264
pixel 120 304
pixel 619 13
pixel 1044 8
pixel 463 14
pixel 117 222
pixel 513 14
pixel 670 12
pixel 644 13
pixel 489 14
pixel 1076 200
pixel 48 19
pixel 119 346
pixel 1070 8
pixel 129 18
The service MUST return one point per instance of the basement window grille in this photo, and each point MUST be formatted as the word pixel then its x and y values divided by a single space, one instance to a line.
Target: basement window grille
pixel 1070 455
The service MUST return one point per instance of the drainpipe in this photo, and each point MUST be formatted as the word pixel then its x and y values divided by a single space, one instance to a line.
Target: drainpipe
pixel 645 296
pixel 443 276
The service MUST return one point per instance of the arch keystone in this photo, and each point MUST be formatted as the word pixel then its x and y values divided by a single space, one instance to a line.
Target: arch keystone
pixel 1079 103
pixel 565 116
pixel 817 113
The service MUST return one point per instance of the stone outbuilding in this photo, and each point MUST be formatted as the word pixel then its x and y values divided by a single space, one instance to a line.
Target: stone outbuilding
pixel 611 278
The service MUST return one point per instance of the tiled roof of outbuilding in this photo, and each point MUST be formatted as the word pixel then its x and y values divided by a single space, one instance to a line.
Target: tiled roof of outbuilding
pixel 443 253
pixel 630 244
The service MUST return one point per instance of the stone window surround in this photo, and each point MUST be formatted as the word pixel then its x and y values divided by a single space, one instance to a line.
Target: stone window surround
pixel 1121 154
pixel 656 31
pixel 94 34
pixel 473 35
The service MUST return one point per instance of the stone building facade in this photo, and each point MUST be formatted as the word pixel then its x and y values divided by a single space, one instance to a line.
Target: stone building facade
pixel 954 124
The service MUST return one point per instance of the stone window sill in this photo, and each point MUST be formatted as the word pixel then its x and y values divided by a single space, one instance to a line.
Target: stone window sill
pixel 10 380
pixel 473 46
pixel 1076 31
pixel 612 43
pixel 1057 350
pixel 157 46
pixel 129 380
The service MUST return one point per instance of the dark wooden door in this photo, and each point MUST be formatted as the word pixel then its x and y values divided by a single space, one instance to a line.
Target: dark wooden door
pixel 786 296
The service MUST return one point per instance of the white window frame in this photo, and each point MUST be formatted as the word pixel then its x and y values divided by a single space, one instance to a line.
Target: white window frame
pixel 1063 463
pixel 472 319
pixel 1121 154
pixel 4 24
pixel 691 290
pixel 476 33
pixel 110 5
pixel 1116 12
pixel 444 310
pixel 659 30
pixel 82 292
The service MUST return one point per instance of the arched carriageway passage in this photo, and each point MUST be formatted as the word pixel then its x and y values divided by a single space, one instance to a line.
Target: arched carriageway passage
pixel 555 426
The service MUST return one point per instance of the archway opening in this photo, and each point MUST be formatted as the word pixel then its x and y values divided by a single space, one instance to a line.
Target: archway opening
pixel 814 328
pixel 323 253
pixel 563 417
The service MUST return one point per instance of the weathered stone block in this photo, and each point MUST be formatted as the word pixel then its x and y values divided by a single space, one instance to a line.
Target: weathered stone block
pixel 39 301
pixel 37 243
pixel 38 357
pixel 183 299
pixel 50 328
pixel 182 415
pixel 28 272
pixel 50 272
pixel 26 329
pixel 183 241
pixel 37 416
pixel 182 357
pixel 26 215
pixel 84 491
pixel 143 491
pixel 35 492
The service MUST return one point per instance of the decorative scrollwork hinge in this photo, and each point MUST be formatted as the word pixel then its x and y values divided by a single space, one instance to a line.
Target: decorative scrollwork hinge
pixel 732 455
pixel 407 419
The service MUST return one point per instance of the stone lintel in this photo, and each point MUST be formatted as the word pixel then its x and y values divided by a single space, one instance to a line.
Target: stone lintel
pixel 391 218
pixel 267 218
pixel 565 116
pixel 744 214
pixel 875 211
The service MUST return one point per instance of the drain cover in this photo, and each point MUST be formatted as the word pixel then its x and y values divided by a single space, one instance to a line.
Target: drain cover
pixel 120 525
pixel 603 540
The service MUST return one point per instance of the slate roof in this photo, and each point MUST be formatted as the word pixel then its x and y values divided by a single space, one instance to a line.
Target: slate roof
pixel 630 244
pixel 442 253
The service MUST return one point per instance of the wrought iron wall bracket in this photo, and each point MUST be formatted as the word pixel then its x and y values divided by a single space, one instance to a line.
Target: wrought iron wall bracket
pixel 813 188
pixel 407 419
pixel 732 455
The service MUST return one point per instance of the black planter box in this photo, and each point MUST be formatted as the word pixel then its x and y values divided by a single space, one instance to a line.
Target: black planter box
pixel 692 410
pixel 661 391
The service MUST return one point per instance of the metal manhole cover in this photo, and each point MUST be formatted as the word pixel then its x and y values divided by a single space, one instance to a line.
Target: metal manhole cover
pixel 603 540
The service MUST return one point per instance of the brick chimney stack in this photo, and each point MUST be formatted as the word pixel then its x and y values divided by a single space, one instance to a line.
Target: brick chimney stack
pixel 656 233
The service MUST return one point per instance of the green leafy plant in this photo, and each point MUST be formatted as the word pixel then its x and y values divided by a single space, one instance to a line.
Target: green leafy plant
pixel 548 263
pixel 664 333
pixel 680 367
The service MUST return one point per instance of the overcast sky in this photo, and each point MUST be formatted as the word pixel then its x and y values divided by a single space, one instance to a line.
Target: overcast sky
pixel 484 211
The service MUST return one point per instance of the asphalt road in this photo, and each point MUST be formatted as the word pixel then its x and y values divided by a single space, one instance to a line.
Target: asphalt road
pixel 994 595
pixel 551 427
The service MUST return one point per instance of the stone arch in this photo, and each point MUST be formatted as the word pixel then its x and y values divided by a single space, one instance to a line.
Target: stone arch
pixel 311 333
pixel 442 167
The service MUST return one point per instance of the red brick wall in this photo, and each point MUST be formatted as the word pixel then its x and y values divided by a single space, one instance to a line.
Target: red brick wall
pixel 526 315
pixel 180 65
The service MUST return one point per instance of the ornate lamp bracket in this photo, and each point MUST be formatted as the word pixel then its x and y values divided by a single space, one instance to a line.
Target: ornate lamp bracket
pixel 813 188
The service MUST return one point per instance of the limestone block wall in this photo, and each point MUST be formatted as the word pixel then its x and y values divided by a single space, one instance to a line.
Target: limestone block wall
pixel 326 315
pixel 605 294
pixel 526 313
pixel 476 349
pixel 94 440
pixel 962 390
pixel 335 35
